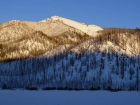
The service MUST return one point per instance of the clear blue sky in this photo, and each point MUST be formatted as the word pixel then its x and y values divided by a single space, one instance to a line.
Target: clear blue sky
pixel 105 13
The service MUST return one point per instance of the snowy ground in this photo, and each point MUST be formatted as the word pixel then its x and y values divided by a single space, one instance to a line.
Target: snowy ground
pixel 24 97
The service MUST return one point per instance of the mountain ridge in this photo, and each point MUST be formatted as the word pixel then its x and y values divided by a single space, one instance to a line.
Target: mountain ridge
pixel 22 38
pixel 25 32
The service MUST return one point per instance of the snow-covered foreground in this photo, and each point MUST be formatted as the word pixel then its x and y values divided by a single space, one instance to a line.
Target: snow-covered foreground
pixel 24 97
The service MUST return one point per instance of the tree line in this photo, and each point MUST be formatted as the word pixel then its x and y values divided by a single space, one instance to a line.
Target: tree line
pixel 73 71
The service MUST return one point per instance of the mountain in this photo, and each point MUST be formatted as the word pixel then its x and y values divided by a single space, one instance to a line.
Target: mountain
pixel 59 53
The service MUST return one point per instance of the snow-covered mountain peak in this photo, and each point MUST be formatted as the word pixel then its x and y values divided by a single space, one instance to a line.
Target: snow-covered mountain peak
pixel 85 28
pixel 53 18
pixel 56 17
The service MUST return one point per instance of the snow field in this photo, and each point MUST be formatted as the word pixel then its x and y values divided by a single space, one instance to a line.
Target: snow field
pixel 24 97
